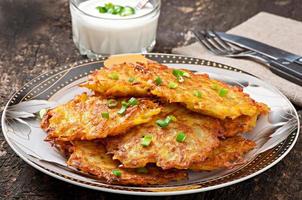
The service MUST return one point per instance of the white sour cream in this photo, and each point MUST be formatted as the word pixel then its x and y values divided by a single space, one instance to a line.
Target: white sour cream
pixel 102 33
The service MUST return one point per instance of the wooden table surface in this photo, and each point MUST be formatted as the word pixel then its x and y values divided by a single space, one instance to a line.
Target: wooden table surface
pixel 35 37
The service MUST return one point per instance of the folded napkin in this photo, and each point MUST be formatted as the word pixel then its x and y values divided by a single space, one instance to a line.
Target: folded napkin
pixel 274 30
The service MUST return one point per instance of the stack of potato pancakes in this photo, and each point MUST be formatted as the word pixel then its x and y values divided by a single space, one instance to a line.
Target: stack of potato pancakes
pixel 149 124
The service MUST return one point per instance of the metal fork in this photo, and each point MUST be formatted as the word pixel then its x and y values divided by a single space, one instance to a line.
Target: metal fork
pixel 211 41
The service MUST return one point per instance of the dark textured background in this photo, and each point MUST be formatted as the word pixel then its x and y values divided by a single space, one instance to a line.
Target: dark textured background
pixel 35 37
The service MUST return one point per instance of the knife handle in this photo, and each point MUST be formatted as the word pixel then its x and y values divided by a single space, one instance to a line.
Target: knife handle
pixel 289 71
pixel 299 61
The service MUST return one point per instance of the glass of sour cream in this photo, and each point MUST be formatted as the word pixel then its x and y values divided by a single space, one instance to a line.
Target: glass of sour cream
pixel 96 33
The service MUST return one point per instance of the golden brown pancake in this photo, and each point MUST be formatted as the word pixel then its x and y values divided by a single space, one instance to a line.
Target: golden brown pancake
pixel 197 92
pixel 165 150
pixel 229 153
pixel 90 157
pixel 82 119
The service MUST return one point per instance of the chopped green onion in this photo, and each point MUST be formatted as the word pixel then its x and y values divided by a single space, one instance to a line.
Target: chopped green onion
pixel 158 80
pixel 197 93
pixel 180 79
pixel 122 110
pixel 172 85
pixel 165 122
pixel 116 9
pixel 214 86
pixel 177 72
pixel 186 74
pixel 142 170
pixel 101 9
pixel 180 74
pixel 42 113
pixel 112 103
pixel 162 123
pixel 124 103
pixel 223 92
pixel 109 5
pixel 181 136
pixel 132 101
pixel 111 11
pixel 108 8
pixel 105 115
pixel 131 79
pixel 117 172
pixel 146 140
pixel 171 118
pixel 126 11
pixel 113 76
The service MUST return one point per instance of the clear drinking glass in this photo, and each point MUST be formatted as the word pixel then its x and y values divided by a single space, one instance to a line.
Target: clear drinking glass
pixel 98 35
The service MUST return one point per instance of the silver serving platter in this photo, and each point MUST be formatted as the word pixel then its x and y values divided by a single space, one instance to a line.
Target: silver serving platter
pixel 274 134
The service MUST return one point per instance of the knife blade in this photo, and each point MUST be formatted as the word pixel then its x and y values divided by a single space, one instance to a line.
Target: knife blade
pixel 264 49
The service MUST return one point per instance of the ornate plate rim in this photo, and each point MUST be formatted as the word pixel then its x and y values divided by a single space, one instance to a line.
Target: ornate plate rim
pixel 149 193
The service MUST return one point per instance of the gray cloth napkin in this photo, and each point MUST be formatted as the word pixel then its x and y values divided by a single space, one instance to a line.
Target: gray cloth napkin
pixel 274 30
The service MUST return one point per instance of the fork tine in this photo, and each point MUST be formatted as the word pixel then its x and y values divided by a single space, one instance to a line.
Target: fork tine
pixel 216 48
pixel 212 47
pixel 226 44
pixel 218 45
pixel 222 42
pixel 200 35
pixel 211 41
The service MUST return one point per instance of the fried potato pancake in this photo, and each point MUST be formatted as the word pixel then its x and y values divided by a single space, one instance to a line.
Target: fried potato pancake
pixel 196 91
pixel 228 154
pixel 164 150
pixel 82 118
pixel 64 147
pixel 239 125
pixel 242 123
pixel 90 157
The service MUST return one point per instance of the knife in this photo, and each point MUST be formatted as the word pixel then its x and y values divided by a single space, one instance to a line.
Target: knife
pixel 283 63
